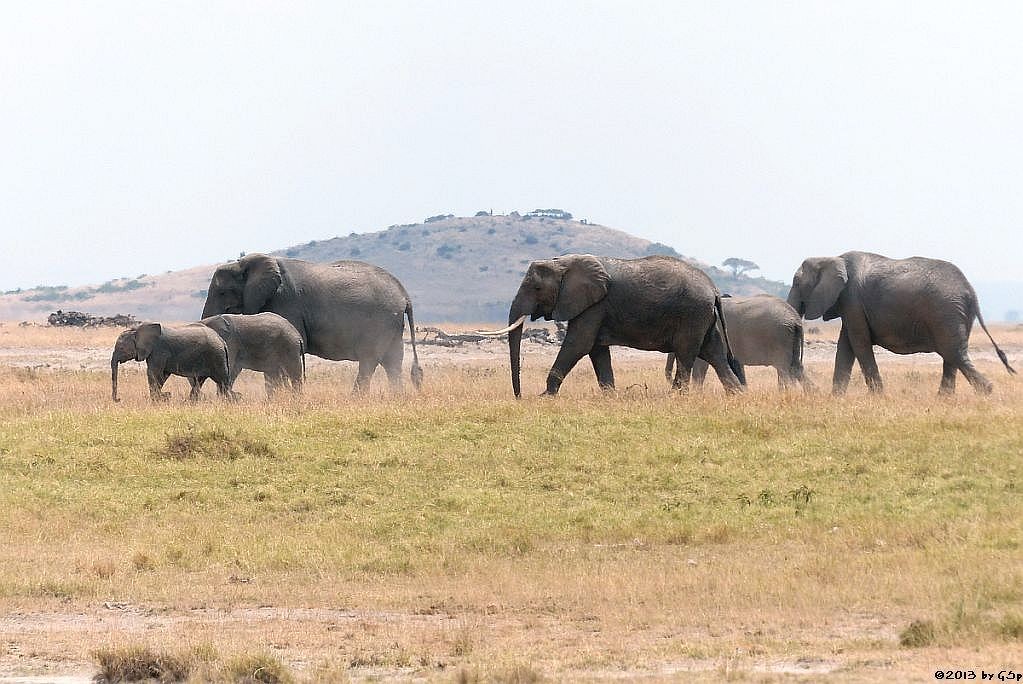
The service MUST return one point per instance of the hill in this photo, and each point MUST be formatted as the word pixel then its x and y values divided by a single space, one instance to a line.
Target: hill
pixel 455 269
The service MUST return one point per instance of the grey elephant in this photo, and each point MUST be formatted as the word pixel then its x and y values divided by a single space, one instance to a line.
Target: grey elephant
pixel 764 331
pixel 656 303
pixel 345 311
pixel 263 342
pixel 904 305
pixel 191 350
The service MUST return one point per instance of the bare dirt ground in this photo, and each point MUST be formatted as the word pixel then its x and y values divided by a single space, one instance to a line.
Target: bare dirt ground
pixel 40 641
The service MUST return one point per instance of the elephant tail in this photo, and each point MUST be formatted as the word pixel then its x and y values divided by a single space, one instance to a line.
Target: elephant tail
pixel 1001 354
pixel 417 371
pixel 668 366
pixel 733 363
pixel 301 352
pixel 797 349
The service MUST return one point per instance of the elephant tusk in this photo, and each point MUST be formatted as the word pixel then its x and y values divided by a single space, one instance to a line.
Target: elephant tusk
pixel 502 331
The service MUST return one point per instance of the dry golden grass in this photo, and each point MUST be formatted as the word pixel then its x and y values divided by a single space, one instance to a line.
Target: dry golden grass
pixel 460 534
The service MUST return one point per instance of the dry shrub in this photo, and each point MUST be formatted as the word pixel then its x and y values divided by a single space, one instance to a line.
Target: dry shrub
pixel 103 569
pixel 139 663
pixel 919 633
pixel 212 443
pixel 516 674
pixel 1011 626
pixel 142 562
pixel 250 669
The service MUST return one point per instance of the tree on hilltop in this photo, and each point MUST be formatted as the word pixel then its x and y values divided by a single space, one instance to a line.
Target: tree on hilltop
pixel 739 266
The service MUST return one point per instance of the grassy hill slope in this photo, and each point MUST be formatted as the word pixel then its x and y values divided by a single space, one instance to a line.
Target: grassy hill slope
pixel 455 269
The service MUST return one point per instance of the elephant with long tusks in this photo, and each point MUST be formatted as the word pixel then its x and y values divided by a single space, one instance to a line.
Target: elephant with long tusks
pixel 656 303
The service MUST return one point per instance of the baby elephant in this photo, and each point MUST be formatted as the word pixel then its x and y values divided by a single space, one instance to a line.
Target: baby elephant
pixel 191 350
pixel 263 342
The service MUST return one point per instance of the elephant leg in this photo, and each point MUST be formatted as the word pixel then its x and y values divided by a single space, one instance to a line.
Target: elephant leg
pixel 863 350
pixel 156 380
pixel 699 372
pixel 295 375
pixel 980 384
pixel 224 390
pixel 579 341
pixel 949 368
pixel 787 377
pixel 233 371
pixel 271 381
pixel 799 373
pixel 196 383
pixel 868 364
pixel 600 357
pixel 366 369
pixel 683 370
pixel 713 352
pixel 844 359
pixel 392 366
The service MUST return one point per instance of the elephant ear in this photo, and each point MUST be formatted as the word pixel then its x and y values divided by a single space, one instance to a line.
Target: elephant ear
pixel 583 284
pixel 146 336
pixel 832 278
pixel 262 278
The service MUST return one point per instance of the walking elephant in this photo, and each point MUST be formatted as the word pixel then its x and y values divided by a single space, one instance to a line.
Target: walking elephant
pixel 192 351
pixel 904 305
pixel 345 311
pixel 263 342
pixel 764 331
pixel 656 303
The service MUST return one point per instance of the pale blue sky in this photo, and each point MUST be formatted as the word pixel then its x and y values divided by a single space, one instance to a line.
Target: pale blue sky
pixel 138 137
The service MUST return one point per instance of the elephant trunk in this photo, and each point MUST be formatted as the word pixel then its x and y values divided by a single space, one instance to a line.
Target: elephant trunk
pixel 208 309
pixel 521 307
pixel 115 363
pixel 796 302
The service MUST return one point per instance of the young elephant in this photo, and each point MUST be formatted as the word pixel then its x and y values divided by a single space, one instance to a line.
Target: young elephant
pixel 764 331
pixel 263 342
pixel 192 351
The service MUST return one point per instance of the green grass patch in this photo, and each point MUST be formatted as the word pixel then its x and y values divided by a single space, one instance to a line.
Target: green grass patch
pixel 920 499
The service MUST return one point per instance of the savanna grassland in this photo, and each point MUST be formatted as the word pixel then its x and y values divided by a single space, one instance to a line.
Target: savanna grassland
pixel 460 535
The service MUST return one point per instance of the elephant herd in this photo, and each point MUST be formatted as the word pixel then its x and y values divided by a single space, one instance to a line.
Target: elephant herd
pixel 265 313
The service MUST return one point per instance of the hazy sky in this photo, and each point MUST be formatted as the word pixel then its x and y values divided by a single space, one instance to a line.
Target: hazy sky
pixel 138 137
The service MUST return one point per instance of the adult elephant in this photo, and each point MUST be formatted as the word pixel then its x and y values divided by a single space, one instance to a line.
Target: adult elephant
pixel 345 311
pixel 904 305
pixel 764 331
pixel 656 303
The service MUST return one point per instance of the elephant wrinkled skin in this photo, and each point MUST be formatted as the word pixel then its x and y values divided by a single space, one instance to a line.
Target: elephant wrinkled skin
pixel 764 331
pixel 345 311
pixel 192 351
pixel 263 342
pixel 904 305
pixel 656 303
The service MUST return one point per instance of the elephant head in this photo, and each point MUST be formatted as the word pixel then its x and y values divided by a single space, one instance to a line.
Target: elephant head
pixel 816 287
pixel 132 345
pixel 555 289
pixel 243 286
